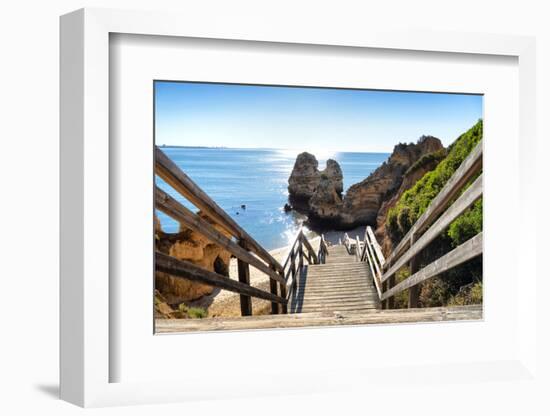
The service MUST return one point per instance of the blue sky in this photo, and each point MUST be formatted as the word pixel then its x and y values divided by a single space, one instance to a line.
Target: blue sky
pixel 242 116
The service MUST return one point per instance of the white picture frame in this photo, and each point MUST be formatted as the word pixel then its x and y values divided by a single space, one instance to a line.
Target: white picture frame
pixel 86 355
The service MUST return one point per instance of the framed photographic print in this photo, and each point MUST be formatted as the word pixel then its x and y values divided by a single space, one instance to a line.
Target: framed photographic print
pixel 279 198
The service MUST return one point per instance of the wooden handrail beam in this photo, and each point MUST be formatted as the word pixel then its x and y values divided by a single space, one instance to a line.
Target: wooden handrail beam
pixel 375 277
pixel 190 271
pixel 471 195
pixel 309 248
pixel 177 179
pixel 174 209
pixel 466 251
pixel 376 246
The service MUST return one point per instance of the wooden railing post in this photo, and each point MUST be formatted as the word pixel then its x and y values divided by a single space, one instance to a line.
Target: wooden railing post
pixel 357 249
pixel 273 290
pixel 414 291
pixel 390 300
pixel 244 277
pixel 283 290
pixel 300 254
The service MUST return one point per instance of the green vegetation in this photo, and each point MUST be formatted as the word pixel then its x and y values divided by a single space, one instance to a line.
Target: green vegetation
pixel 463 283
pixel 468 295
pixel 414 201
pixel 193 312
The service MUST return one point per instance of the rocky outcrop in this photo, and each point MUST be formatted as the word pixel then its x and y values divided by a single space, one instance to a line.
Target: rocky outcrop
pixel 306 177
pixel 193 247
pixel 364 201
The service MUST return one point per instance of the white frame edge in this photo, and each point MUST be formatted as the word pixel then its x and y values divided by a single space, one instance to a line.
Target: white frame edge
pixel 84 172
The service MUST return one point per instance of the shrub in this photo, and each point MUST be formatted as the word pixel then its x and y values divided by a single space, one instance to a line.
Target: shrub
pixel 415 200
pixel 471 294
pixel 468 225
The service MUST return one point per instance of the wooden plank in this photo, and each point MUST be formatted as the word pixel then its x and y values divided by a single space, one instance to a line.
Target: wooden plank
pixel 376 246
pixel 315 319
pixel 177 211
pixel 335 296
pixel 323 250
pixel 471 195
pixel 464 252
pixel 357 249
pixel 370 249
pixel 177 179
pixel 469 167
pixel 181 268
pixel 341 290
pixel 375 277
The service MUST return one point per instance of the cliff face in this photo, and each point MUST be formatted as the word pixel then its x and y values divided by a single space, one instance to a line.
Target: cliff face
pixel 305 179
pixel 363 201
pixel 422 166
pixel 193 247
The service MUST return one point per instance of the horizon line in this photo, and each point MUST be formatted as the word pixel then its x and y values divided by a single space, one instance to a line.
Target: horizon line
pixel 263 148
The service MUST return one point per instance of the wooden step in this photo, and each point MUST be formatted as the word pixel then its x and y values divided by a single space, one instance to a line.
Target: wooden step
pixel 327 298
pixel 341 284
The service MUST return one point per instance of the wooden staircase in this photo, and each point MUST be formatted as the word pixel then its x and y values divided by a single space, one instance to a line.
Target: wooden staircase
pixel 341 284
pixel 349 283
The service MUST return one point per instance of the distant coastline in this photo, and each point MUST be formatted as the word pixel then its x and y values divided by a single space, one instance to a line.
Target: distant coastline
pixel 164 146
pixel 177 146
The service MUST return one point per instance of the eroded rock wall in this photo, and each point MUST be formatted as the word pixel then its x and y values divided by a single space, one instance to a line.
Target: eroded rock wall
pixel 193 247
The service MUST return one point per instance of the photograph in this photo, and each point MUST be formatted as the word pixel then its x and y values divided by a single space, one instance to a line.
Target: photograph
pixel 302 206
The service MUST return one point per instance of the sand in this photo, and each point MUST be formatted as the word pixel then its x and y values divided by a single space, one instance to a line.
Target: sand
pixel 225 303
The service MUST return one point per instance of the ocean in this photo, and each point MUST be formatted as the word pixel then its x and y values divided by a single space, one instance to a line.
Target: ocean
pixel 258 179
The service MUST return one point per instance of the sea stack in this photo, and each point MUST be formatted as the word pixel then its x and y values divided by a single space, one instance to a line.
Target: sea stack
pixel 306 177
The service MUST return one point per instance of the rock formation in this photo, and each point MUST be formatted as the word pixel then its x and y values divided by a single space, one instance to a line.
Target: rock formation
pixel 305 178
pixel 423 165
pixel 193 247
pixel 319 194
pixel 364 199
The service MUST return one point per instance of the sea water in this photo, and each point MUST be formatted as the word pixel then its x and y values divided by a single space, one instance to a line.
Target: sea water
pixel 251 185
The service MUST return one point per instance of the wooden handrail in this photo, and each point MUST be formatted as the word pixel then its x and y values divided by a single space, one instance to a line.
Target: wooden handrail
pixel 177 179
pixel 295 259
pixel 464 252
pixel 437 217
pixel 323 250
pixel 309 248
pixel 468 169
pixel 471 195
pixel 190 271
pixel 177 211
pixel 369 235
pixel 371 262
pixel 357 248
